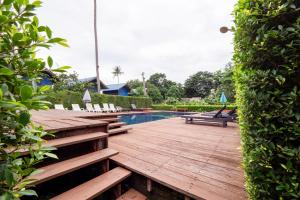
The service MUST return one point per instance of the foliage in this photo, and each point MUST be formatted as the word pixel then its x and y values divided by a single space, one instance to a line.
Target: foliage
pixel 67 98
pixel 20 37
pixel 154 93
pixel 267 71
pixel 191 108
pixel 117 72
pixel 224 83
pixel 160 81
pixel 70 82
pixel 175 91
pixel 199 84
pixel 132 84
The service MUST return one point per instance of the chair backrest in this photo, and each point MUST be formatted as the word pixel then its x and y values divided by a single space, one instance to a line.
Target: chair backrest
pixel 232 112
pixel 89 107
pixel 133 106
pixel 59 107
pixel 112 107
pixel 219 112
pixel 105 107
pixel 97 108
pixel 76 107
pixel 119 108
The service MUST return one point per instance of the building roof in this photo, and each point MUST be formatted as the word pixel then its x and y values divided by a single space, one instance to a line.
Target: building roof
pixel 114 87
pixel 91 80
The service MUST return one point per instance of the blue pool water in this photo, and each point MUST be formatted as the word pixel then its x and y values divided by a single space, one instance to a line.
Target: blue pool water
pixel 148 117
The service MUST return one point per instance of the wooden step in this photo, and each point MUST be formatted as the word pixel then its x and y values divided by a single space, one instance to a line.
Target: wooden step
pixel 66 141
pixel 67 166
pixel 116 124
pixel 115 119
pixel 123 129
pixel 132 194
pixel 96 186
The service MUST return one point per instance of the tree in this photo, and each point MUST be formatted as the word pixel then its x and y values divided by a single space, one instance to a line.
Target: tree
pixel 21 36
pixel 154 93
pixel 224 83
pixel 161 82
pixel 117 72
pixel 199 84
pixel 132 84
pixel 175 91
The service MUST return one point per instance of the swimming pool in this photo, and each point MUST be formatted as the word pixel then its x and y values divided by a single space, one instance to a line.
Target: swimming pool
pixel 148 117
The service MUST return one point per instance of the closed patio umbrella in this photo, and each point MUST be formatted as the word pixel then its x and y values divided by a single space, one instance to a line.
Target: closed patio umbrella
pixel 87 97
pixel 223 98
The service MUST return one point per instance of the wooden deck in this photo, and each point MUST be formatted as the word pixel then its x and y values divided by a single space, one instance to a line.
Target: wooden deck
pixel 202 162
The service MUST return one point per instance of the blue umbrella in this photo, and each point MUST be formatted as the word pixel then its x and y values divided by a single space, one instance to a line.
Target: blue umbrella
pixel 223 98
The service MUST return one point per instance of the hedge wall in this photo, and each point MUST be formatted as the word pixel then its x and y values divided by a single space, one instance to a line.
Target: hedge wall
pixel 191 108
pixel 68 97
pixel 267 73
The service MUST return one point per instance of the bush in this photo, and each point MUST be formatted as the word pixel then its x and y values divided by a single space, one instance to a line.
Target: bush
pixel 267 71
pixel 191 108
pixel 67 98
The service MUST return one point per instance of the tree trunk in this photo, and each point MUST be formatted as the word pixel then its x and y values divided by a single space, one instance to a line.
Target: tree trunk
pixel 96 47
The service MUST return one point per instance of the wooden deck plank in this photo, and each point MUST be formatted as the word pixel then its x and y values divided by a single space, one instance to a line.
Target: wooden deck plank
pixel 96 186
pixel 202 162
pixel 52 171
pixel 132 194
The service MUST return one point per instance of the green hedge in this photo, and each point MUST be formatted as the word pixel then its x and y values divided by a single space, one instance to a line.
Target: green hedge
pixel 68 97
pixel 267 73
pixel 191 108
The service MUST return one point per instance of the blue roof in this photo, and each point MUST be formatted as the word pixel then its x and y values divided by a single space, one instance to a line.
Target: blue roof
pixel 114 87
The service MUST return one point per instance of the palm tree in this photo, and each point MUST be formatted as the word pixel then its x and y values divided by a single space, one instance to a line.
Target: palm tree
pixel 96 46
pixel 117 72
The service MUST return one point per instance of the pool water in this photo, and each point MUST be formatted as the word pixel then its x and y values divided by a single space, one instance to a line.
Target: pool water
pixel 148 117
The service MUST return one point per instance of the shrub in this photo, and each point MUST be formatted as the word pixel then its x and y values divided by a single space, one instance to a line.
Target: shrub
pixel 163 107
pixel 67 98
pixel 267 71
pixel 21 36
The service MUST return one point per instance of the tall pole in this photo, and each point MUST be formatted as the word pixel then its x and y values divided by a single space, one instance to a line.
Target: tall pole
pixel 144 84
pixel 96 46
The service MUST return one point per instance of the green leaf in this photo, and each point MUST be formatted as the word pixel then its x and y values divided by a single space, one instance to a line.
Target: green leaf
pixel 26 92
pixel 24 118
pixel 51 155
pixel 62 69
pixel 50 61
pixel 56 40
pixel 45 88
pixel 48 32
pixel 28 193
pixel 7 2
pixel 9 177
pixel 1 94
pixel 5 71
pixel 3 18
pixel 17 36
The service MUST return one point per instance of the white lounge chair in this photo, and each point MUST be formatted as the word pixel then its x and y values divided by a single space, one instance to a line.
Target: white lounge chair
pixel 119 108
pixel 76 107
pixel 112 107
pixel 106 107
pixel 97 108
pixel 59 107
pixel 89 107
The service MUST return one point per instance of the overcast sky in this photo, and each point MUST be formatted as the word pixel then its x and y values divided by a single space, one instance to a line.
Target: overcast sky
pixel 175 37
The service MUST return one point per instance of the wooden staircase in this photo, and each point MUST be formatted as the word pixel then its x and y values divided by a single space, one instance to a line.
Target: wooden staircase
pixel 93 152
pixel 116 127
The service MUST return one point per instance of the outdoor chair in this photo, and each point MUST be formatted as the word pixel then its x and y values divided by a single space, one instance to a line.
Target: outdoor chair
pixel 59 107
pixel 89 107
pixel 106 107
pixel 76 107
pixel 215 113
pixel 112 107
pixel 217 119
pixel 97 108
pixel 134 108
pixel 119 108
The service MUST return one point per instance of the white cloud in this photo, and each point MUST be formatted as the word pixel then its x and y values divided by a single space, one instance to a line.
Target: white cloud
pixel 176 37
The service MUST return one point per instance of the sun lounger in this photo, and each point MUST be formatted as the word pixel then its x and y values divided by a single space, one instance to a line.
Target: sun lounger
pixel 214 113
pixel 134 108
pixel 97 108
pixel 119 108
pixel 89 107
pixel 217 119
pixel 59 107
pixel 106 107
pixel 76 107
pixel 112 107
